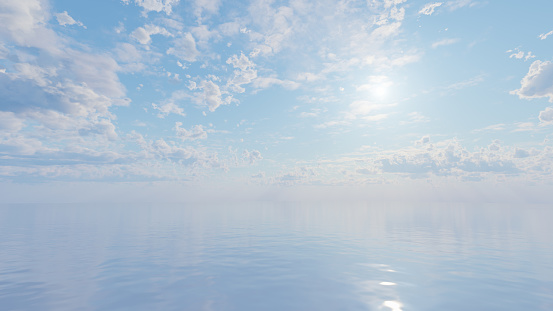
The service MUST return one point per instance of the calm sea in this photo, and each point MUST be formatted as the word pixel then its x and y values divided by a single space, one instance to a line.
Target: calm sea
pixel 269 256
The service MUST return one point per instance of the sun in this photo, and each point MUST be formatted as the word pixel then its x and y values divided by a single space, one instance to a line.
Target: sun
pixel 377 87
pixel 380 91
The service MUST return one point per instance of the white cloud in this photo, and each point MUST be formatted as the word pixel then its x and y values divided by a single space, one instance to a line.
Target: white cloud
pixel 252 156
pixel 331 124
pixel 546 115
pixel 493 127
pixel 429 8
pixel 457 4
pixel 275 26
pixel 467 83
pixel 415 117
pixel 544 36
pixel 386 31
pixel 423 141
pixel 10 122
pixel 444 42
pixel 518 54
pixel 155 5
pixel 168 108
pixel 538 82
pixel 448 159
pixel 185 48
pixel 197 132
pixel 206 6
pixel 143 34
pixel 362 108
pixel 65 19
pixel 211 96
pixel 244 75
pixel 229 29
pixel 23 22
pixel 266 82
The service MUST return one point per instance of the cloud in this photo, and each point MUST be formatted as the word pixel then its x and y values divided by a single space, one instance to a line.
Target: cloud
pixel 429 8
pixel 211 96
pixel 24 24
pixel 184 48
pixel 170 151
pixel 55 112
pixel 266 82
pixel 244 74
pixel 538 82
pixel 331 124
pixel 155 5
pixel 252 156
pixel 206 6
pixel 168 108
pixel 464 84
pixel 10 122
pixel 447 160
pixel 143 34
pixel 197 132
pixel 518 54
pixel 415 117
pixel 457 4
pixel 444 42
pixel 65 19
pixel 275 26
pixel 423 141
pixel 493 127
pixel 544 36
pixel 546 115
pixel 362 108
pixel 386 31
pixel 521 153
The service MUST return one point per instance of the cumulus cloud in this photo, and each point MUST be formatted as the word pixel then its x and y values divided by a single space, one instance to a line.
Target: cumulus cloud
pixel 429 8
pixel 143 34
pixel 423 141
pixel 448 160
pixel 184 48
pixel 197 132
pixel 251 156
pixel 211 96
pixel 65 19
pixel 170 151
pixel 518 54
pixel 244 73
pixel 546 115
pixel 538 82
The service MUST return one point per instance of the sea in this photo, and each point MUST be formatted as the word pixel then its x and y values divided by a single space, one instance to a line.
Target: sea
pixel 276 256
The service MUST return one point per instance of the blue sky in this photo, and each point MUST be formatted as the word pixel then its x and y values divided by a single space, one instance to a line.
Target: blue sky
pixel 262 94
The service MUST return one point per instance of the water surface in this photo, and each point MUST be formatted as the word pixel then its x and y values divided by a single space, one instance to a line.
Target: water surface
pixel 269 256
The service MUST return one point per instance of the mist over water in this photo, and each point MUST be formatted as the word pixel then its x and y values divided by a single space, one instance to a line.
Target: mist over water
pixel 276 256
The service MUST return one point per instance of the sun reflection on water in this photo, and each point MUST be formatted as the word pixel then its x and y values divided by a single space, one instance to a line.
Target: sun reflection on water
pixel 394 305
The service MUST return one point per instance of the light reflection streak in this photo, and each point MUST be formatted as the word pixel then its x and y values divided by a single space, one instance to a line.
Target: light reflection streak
pixel 394 305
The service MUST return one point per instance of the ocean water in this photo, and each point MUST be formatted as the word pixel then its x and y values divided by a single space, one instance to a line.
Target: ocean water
pixel 276 256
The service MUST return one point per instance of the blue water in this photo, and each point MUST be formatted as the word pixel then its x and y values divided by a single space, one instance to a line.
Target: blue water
pixel 285 256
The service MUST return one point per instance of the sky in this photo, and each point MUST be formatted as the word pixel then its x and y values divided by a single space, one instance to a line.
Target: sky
pixel 196 96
